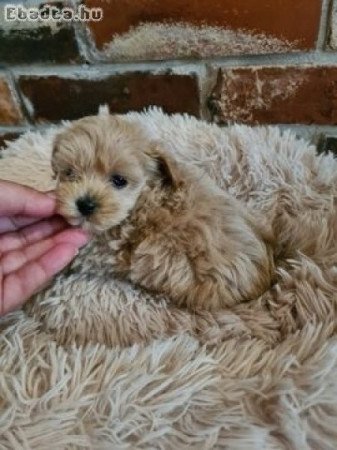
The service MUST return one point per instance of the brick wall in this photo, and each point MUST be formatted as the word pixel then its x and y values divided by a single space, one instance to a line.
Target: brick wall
pixel 246 61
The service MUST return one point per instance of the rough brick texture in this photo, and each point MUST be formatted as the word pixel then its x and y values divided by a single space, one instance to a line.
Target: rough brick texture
pixel 9 112
pixel 54 98
pixel 276 95
pixel 34 41
pixel 38 45
pixel 194 28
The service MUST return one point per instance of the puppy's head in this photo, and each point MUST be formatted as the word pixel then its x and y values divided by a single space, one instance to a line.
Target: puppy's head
pixel 102 165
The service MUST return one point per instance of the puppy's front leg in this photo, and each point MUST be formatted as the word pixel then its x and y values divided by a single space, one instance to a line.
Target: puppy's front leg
pixel 160 265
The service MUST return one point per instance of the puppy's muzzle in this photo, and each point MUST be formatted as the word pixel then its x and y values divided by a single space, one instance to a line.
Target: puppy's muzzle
pixel 86 205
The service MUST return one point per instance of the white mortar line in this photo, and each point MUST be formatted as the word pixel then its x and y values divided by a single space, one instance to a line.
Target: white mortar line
pixel 98 71
pixel 81 41
pixel 23 128
pixel 301 127
pixel 312 133
pixel 83 38
pixel 15 94
pixel 324 25
pixel 20 98
pixel 101 70
pixel 316 58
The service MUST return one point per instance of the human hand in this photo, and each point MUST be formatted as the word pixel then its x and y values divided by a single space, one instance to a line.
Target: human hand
pixel 35 244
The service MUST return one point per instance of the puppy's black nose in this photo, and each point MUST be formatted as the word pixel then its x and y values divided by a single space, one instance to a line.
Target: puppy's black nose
pixel 86 205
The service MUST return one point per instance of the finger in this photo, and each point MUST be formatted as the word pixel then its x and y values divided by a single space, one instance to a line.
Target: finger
pixel 21 200
pixel 29 235
pixel 15 222
pixel 14 260
pixel 20 285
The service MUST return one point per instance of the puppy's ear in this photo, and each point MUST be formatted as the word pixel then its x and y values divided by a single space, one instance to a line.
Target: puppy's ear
pixel 164 167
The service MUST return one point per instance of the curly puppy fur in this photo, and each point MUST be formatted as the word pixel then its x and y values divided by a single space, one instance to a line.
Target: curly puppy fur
pixel 171 230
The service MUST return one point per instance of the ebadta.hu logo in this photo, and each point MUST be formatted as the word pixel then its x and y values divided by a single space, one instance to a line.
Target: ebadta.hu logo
pixel 51 12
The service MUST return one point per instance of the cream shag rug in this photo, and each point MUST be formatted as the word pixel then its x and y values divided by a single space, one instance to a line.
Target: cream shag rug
pixel 95 363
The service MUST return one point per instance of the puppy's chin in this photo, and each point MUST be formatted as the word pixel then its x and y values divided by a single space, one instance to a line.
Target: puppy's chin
pixel 75 221
pixel 90 226
pixel 95 224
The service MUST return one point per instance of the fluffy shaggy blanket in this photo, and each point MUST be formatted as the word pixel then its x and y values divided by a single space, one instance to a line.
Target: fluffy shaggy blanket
pixel 95 363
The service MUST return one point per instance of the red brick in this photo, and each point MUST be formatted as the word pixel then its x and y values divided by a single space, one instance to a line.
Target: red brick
pixel 284 19
pixel 53 98
pixel 276 95
pixel 30 41
pixel 9 112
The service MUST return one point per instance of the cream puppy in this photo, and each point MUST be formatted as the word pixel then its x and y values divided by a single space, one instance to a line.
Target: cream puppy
pixel 173 231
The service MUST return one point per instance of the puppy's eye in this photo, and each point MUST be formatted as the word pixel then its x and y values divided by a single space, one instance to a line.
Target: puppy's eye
pixel 69 173
pixel 118 181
